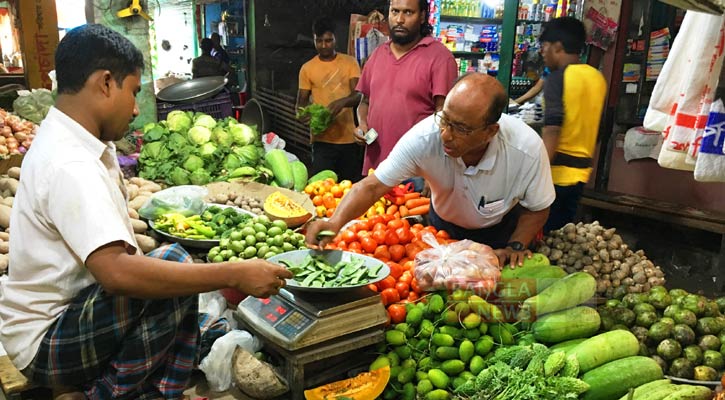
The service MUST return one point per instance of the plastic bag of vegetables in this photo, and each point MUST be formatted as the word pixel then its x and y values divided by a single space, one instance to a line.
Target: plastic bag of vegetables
pixel 320 117
pixel 33 105
pixel 186 200
pixel 460 265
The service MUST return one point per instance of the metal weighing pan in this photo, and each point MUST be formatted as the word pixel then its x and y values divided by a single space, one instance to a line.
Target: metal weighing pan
pixel 192 90
pixel 332 257
pixel 253 115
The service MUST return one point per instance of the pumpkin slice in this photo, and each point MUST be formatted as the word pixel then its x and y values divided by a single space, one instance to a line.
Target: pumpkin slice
pixel 279 206
pixel 364 386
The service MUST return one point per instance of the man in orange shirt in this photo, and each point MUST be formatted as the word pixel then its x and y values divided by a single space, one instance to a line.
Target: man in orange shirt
pixel 330 79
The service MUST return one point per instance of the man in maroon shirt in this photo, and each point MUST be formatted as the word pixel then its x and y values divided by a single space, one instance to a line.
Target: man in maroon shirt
pixel 405 80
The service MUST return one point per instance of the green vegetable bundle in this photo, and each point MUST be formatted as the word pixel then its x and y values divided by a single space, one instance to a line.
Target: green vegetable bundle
pixel 314 271
pixel 320 117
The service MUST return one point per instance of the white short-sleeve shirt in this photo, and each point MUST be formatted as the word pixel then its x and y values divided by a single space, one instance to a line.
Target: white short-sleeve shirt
pixel 69 203
pixel 514 170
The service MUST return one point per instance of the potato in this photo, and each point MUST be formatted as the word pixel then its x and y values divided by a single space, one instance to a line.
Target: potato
pixel 4 236
pixel 11 185
pixel 4 216
pixel 4 247
pixel 14 172
pixel 132 191
pixel 133 214
pixel 149 186
pixel 144 193
pixel 8 201
pixel 137 181
pixel 139 226
pixel 146 243
pixel 137 202
pixel 4 261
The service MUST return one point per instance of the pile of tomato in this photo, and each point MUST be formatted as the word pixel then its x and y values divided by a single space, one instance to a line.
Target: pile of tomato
pixel 395 242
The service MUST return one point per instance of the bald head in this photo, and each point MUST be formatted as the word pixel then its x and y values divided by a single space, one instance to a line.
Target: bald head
pixel 480 94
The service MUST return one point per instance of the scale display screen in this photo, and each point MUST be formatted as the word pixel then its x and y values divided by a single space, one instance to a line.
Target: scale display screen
pixel 281 316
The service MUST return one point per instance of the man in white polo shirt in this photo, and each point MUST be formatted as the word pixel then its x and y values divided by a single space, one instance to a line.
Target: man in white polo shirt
pixel 488 173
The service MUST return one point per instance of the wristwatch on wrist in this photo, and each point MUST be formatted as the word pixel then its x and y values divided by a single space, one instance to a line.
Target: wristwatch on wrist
pixel 516 246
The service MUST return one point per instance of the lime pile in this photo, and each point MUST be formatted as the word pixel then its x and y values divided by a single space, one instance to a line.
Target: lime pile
pixel 259 237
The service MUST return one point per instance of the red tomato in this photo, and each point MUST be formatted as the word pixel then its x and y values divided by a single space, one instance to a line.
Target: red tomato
pixel 379 236
pixel 403 289
pixel 380 227
pixel 406 277
pixel 414 286
pixel 409 266
pixel 387 218
pixel 381 253
pixel 362 233
pixel 404 235
pixel 387 283
pixel 395 224
pixel 368 244
pixel 390 296
pixel 361 226
pixel 342 245
pixel 397 252
pixel 354 246
pixel 395 270
pixel 373 287
pixel 443 235
pixel 348 235
pixel 391 238
pixel 397 313
pixel 372 221
pixel 413 296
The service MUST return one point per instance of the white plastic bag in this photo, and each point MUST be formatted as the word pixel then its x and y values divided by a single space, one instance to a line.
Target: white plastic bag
pixel 710 165
pixel 460 265
pixel 217 366
pixel 212 303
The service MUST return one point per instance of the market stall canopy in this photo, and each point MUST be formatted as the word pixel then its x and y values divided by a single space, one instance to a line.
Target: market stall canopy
pixel 192 90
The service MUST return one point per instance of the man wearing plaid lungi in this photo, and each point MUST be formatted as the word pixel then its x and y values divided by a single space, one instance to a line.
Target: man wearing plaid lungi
pixel 83 311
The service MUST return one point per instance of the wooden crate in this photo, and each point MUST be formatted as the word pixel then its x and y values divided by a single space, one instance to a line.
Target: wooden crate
pixel 7 163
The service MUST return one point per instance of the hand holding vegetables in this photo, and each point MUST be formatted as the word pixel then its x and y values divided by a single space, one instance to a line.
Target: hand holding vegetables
pixel 259 278
pixel 320 117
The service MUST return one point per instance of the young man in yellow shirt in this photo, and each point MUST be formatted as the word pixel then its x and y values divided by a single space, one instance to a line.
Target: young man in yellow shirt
pixel 329 79
pixel 574 96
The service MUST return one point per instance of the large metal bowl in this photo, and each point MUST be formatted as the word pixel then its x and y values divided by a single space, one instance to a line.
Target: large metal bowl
pixel 192 90
pixel 332 257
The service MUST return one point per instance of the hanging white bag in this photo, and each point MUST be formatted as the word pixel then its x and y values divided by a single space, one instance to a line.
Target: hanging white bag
pixel 710 165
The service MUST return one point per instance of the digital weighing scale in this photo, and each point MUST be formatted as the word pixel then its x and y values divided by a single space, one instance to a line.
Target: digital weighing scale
pixel 303 328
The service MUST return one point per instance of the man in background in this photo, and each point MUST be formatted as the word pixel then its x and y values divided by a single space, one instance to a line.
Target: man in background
pixel 218 51
pixel 404 81
pixel 573 100
pixel 205 64
pixel 329 79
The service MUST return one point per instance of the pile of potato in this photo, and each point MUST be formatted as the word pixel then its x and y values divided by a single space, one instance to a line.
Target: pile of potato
pixel 604 255
pixel 139 191
pixel 239 200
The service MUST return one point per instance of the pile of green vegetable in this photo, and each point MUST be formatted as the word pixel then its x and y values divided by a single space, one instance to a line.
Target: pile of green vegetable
pixel 194 148
pixel 320 117
pixel 258 237
pixel 211 224
pixel 315 271
pixel 683 332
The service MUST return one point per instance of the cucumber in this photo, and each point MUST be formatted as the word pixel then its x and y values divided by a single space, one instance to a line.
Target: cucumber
pixel 690 392
pixel 574 323
pixel 529 279
pixel 566 345
pixel 279 164
pixel 567 292
pixel 657 393
pixel 299 175
pixel 322 175
pixel 605 347
pixel 614 379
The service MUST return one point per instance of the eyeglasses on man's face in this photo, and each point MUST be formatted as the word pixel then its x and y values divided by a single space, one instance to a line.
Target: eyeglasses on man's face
pixel 462 130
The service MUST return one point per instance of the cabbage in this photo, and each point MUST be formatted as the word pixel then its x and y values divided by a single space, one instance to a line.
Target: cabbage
pixel 177 143
pixel 207 150
pixel 199 135
pixel 204 120
pixel 247 154
pixel 33 105
pixel 153 132
pixel 200 177
pixel 242 134
pixel 178 121
pixel 221 137
pixel 232 162
pixel 193 163
pixel 179 176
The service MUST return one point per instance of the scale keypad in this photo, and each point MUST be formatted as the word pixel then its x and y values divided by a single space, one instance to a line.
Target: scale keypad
pixel 293 324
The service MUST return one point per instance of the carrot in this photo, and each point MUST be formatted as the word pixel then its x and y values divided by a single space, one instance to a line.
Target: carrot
pixel 403 211
pixel 392 209
pixel 413 203
pixel 411 196
pixel 420 210
pixel 399 201
pixel 397 214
